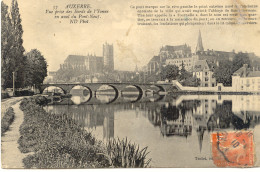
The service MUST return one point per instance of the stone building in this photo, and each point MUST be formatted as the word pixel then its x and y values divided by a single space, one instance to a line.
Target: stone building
pixel 204 72
pixel 246 80
pixel 172 52
pixel 108 54
pixel 169 55
pixel 188 62
pixel 91 63
pixel 154 65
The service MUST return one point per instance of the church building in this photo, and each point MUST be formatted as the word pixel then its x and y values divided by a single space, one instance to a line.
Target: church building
pixel 91 63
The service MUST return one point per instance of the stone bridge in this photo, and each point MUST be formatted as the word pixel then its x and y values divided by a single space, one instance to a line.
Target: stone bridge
pixel 119 88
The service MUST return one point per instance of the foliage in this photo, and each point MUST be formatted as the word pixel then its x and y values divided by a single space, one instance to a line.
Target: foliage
pixel 223 73
pixel 122 153
pixel 7 62
pixel 239 60
pixel 183 73
pixel 18 48
pixel 222 116
pixel 12 50
pixel 7 120
pixel 68 74
pixel 36 68
pixel 58 141
pixel 187 79
pixel 191 81
pixel 169 72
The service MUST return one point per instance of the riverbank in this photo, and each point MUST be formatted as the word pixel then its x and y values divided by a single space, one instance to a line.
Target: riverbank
pixel 11 156
pixel 57 141
pixel 6 103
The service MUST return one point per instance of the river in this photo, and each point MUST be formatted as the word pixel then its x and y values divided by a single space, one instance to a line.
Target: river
pixel 176 129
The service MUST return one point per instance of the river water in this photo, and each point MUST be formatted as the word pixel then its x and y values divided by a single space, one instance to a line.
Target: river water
pixel 176 129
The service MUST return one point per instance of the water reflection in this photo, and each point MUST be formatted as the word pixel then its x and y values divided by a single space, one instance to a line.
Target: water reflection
pixel 174 119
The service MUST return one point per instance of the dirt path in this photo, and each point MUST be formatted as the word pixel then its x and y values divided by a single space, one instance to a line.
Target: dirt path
pixel 11 156
pixel 6 103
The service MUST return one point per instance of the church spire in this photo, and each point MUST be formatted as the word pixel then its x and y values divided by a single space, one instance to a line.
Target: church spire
pixel 199 43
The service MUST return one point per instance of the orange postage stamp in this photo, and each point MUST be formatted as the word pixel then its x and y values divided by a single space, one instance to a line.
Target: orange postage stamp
pixel 233 149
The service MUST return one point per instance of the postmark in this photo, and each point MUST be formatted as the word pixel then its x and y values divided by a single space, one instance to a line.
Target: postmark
pixel 233 149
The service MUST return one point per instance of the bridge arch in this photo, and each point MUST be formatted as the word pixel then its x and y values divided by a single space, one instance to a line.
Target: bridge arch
pixel 84 88
pixel 116 90
pixel 53 87
pixel 141 92
pixel 161 88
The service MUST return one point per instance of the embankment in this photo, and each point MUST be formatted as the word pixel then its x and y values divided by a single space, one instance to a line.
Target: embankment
pixel 57 141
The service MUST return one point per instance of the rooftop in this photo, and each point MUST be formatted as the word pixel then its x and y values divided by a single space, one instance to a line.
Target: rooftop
pixel 74 58
pixel 200 66
pixel 244 71
pixel 175 48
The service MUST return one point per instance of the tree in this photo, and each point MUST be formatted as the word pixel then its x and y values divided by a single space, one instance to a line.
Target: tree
pixel 184 74
pixel 239 60
pixel 170 72
pixel 191 81
pixel 18 49
pixel 7 48
pixel 36 68
pixel 224 72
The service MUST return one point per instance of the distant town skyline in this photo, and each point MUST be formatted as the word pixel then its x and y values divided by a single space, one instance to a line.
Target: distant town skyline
pixel 133 45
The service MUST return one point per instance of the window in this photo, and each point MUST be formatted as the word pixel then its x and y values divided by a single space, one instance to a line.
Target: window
pixel 206 73
pixel 213 85
pixel 206 85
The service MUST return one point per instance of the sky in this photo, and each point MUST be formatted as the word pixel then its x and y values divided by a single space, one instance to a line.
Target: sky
pixel 133 44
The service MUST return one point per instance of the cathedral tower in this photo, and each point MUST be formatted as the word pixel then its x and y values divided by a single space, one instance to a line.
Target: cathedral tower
pixel 108 54
pixel 199 44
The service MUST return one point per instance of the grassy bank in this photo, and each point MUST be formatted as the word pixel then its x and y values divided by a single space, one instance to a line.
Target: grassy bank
pixel 59 142
pixel 7 120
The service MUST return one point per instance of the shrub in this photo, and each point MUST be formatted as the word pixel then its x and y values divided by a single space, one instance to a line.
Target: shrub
pixel 59 142
pixel 7 120
pixel 4 95
pixel 122 153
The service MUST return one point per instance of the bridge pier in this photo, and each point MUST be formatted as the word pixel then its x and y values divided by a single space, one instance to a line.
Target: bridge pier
pixel 94 93
pixel 120 93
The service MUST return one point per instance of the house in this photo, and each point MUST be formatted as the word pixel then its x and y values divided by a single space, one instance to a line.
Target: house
pixel 245 80
pixel 187 61
pixel 203 71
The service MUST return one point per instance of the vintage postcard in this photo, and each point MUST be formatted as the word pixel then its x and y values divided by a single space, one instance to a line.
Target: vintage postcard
pixel 130 84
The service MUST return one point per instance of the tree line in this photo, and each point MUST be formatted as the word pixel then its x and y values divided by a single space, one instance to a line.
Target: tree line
pixel 172 72
pixel 223 73
pixel 29 67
